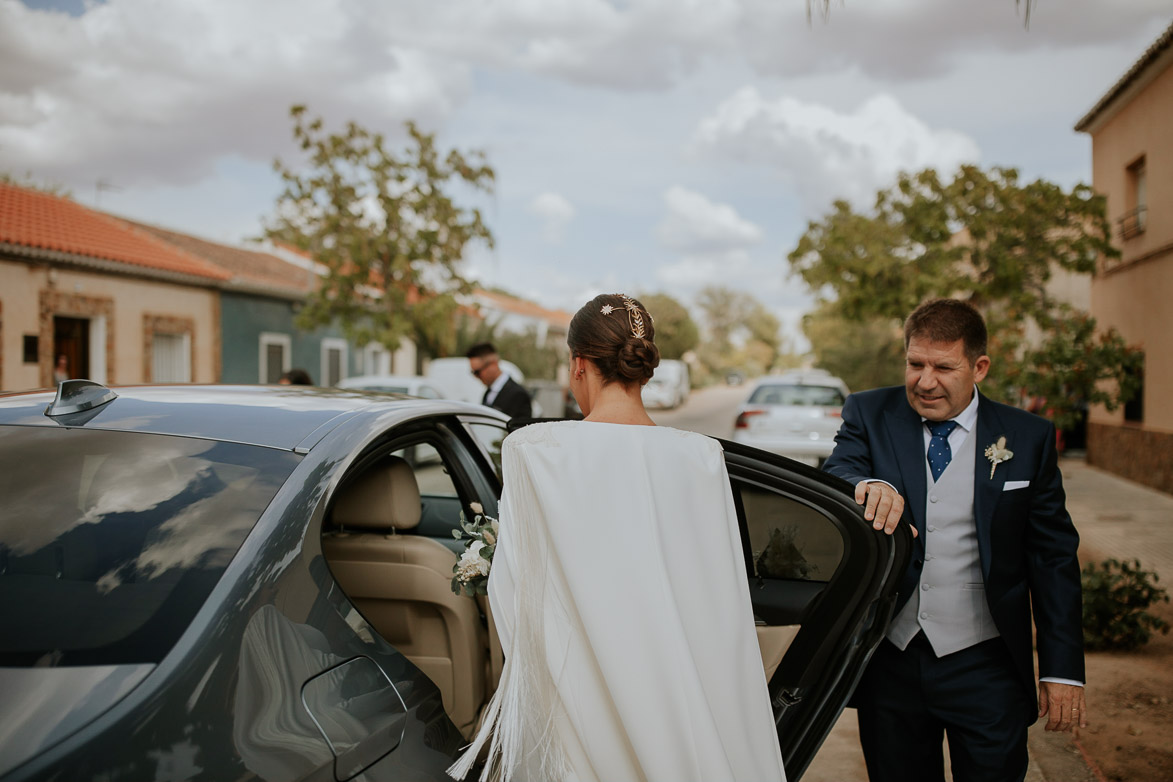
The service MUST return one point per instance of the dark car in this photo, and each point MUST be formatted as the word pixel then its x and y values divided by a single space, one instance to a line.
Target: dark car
pixel 235 583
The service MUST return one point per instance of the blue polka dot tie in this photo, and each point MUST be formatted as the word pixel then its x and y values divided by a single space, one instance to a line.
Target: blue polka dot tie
pixel 939 452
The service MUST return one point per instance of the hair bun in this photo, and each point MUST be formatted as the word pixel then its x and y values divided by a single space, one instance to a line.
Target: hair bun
pixel 638 359
pixel 616 333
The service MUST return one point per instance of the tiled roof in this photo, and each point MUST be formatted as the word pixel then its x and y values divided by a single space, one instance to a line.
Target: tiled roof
pixel 527 308
pixel 248 267
pixel 43 225
pixel 1137 69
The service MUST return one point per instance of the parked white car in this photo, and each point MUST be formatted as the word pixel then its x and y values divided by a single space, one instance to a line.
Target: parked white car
pixel 395 384
pixel 669 385
pixel 795 414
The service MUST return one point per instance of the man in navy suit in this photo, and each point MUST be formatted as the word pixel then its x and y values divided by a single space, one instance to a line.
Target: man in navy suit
pixel 979 482
pixel 501 391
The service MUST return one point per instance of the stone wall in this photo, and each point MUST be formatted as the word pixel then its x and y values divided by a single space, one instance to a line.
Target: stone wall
pixel 1134 453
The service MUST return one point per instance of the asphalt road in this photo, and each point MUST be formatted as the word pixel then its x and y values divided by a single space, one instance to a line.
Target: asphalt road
pixel 709 411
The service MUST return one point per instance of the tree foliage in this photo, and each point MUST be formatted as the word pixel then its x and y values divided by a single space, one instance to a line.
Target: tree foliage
pixel 1116 597
pixel 741 334
pixel 986 238
pixel 864 354
pixel 30 182
pixel 385 225
pixel 676 331
pixel 537 359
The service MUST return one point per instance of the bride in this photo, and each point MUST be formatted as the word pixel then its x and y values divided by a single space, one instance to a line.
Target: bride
pixel 619 590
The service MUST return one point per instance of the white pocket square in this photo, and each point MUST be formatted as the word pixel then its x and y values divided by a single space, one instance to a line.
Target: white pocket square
pixel 1012 485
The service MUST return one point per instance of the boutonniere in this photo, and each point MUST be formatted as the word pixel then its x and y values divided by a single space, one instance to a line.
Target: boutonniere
pixel 998 453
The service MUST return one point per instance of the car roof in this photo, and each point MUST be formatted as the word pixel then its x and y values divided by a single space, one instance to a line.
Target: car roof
pixel 810 377
pixel 275 416
pixel 359 381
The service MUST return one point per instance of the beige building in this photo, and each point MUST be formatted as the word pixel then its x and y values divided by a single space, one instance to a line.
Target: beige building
pixel 1132 166
pixel 84 294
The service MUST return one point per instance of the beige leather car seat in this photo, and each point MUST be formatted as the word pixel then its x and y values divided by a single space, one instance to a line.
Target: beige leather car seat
pixel 402 585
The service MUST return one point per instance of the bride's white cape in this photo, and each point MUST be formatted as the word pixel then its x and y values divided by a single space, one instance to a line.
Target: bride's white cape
pixel 620 594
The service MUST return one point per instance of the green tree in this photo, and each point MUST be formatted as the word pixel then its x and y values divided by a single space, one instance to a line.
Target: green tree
pixel 764 329
pixel 537 359
pixel 864 354
pixel 385 226
pixel 676 331
pixel 30 182
pixel 740 332
pixel 725 312
pixel 986 238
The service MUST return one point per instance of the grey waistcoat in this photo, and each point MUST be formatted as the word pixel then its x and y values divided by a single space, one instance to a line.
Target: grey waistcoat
pixel 950 601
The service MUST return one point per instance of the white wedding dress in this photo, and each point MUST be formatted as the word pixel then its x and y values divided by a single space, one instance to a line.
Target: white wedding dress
pixel 620 594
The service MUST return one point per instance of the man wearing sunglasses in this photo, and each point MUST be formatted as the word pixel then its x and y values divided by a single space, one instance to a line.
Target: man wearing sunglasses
pixel 502 392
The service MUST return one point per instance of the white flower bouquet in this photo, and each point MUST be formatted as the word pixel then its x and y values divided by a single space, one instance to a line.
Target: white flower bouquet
pixel 471 571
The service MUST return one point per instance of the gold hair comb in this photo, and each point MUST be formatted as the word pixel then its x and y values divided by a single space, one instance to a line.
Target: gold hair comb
pixel 635 317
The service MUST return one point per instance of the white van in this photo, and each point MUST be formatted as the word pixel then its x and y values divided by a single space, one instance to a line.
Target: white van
pixel 456 381
pixel 669 385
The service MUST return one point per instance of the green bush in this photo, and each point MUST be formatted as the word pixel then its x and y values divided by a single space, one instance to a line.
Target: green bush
pixel 1115 598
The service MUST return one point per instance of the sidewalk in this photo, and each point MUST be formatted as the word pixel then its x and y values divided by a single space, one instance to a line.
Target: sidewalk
pixel 1115 518
pixel 1118 518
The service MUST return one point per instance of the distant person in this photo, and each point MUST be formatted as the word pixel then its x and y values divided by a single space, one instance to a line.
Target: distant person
pixel 295 377
pixel 61 370
pixel 502 392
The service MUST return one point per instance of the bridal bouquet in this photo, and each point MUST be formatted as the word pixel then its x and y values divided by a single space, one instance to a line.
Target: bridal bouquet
pixel 472 568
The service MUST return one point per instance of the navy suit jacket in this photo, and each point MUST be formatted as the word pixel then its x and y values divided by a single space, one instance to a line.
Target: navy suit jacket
pixel 1026 538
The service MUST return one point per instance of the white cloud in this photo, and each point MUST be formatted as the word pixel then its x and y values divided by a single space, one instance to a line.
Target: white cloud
pixel 784 296
pixel 826 154
pixel 143 92
pixel 696 224
pixel 630 45
pixel 555 212
pixel 905 40
pixel 689 274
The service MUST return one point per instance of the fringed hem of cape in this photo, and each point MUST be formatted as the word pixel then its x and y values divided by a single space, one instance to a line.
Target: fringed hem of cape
pixel 519 718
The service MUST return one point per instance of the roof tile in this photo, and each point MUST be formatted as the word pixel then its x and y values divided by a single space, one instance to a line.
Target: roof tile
pixel 250 266
pixel 40 221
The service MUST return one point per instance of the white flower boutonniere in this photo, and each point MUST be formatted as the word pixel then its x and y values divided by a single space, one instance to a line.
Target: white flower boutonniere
pixel 998 453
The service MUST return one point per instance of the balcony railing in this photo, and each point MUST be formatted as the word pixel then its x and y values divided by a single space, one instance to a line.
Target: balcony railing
pixel 1132 222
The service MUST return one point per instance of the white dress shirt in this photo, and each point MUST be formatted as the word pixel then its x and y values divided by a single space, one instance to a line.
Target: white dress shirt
pixel 496 387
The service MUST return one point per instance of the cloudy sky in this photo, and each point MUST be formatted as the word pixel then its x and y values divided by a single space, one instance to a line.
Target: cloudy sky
pixel 640 145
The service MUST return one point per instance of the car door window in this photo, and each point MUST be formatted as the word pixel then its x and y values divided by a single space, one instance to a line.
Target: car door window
pixel 793 551
pixel 124 543
pixel 440 503
pixel 788 539
pixel 431 473
pixel 822 584
pixel 490 435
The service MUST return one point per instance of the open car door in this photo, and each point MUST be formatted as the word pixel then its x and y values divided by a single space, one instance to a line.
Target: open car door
pixel 823 586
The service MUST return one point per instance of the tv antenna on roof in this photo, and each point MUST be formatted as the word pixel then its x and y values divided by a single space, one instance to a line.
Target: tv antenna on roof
pixel 102 185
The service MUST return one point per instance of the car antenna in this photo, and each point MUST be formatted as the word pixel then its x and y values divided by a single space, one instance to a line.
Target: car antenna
pixel 78 396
